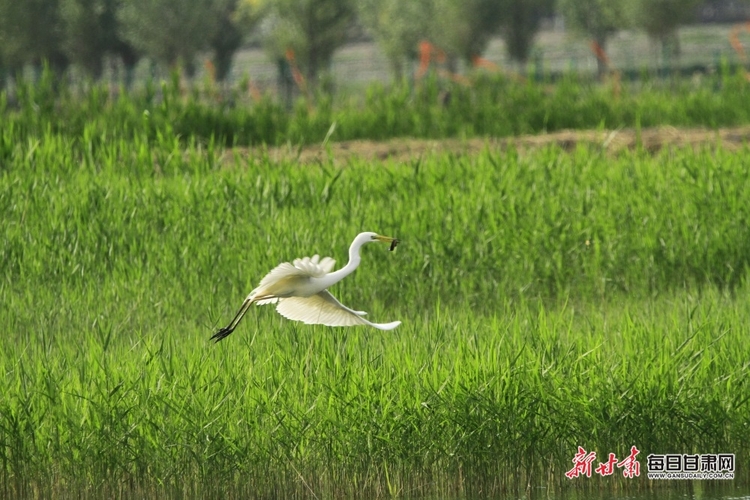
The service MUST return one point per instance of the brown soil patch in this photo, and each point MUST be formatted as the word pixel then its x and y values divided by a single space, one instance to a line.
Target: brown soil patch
pixel 652 140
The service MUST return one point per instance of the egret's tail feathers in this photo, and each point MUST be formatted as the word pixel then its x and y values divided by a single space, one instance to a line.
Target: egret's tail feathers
pixel 385 326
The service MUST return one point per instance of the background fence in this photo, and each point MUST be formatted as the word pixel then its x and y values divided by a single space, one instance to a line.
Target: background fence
pixel 704 47
pixel 556 51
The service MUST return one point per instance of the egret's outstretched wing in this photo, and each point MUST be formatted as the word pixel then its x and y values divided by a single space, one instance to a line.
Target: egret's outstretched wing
pixel 323 309
pixel 281 281
pixel 315 266
pixel 280 273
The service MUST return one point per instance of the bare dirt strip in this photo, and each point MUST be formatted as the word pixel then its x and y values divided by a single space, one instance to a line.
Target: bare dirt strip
pixel 652 140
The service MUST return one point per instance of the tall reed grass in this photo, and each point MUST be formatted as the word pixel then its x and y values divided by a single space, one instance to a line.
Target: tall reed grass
pixel 549 300
pixel 488 106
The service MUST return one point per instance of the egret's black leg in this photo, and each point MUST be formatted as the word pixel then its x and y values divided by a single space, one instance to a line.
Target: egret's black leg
pixel 224 332
pixel 227 330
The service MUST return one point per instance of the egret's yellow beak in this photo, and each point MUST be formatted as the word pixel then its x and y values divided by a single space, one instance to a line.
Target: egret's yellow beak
pixel 388 239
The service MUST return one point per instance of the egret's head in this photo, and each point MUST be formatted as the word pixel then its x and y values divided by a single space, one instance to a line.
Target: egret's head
pixel 368 237
pixel 385 239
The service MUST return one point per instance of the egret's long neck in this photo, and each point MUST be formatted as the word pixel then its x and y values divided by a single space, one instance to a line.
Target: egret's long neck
pixel 348 269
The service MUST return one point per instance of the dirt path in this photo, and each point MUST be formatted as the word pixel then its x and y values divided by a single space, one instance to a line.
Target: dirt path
pixel 652 140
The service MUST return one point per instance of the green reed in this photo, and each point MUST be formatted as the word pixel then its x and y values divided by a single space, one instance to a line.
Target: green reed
pixel 548 299
pixel 487 105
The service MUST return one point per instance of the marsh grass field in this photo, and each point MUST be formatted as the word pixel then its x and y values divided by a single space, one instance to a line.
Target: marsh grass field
pixel 550 299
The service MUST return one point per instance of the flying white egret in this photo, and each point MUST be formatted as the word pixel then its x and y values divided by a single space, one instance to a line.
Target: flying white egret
pixel 300 290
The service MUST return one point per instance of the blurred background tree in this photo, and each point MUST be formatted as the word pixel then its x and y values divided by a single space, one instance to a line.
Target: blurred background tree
pixel 91 33
pixel 520 25
pixel 463 28
pixel 13 39
pixel 312 29
pixel 83 40
pixel 236 18
pixel 172 31
pixel 660 19
pixel 32 32
pixel 397 28
pixel 596 19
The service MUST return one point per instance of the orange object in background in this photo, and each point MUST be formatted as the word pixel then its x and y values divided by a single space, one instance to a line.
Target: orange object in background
pixel 480 62
pixel 299 79
pixel 734 40
pixel 736 43
pixel 428 52
pixel 254 91
pixel 612 75
pixel 425 50
pixel 598 51
pixel 210 69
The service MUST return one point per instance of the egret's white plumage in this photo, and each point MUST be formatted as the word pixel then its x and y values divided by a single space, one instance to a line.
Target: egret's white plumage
pixel 300 293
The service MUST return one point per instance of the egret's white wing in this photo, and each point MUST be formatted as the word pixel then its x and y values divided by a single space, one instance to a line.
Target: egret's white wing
pixel 326 264
pixel 279 273
pixel 314 266
pixel 280 281
pixel 323 309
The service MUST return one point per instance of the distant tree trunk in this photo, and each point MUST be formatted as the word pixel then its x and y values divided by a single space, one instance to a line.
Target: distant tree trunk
pixel 129 58
pixel 601 63
pixel 521 25
pixel 285 81
pixel 225 43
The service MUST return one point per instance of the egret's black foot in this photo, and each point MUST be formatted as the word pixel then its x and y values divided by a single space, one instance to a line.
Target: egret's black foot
pixel 224 332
